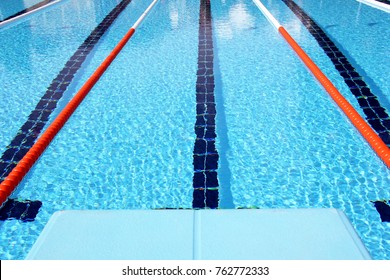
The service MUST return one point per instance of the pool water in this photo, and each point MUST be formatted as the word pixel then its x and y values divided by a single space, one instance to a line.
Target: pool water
pixel 10 8
pixel 281 141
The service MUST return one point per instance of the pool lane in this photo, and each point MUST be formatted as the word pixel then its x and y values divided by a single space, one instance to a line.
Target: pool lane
pixel 375 113
pixel 205 180
pixel 30 130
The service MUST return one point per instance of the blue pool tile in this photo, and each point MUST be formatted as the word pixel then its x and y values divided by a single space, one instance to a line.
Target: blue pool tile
pixel 352 84
pixel 201 108
pixel 205 159
pixel 206 162
pixel 357 92
pixel 205 132
pixel 373 102
pixel 205 88
pixel 212 162
pixel 204 97
pixel 207 120
pixel 37 128
pixel 367 92
pixel 205 72
pixel 211 149
pixel 200 146
pixel 358 87
pixel 28 141
pixel 370 113
pixel 19 139
pixel 6 168
pixel 20 154
pixel 27 126
pixel 199 162
pixel 41 115
pixel 212 197
pixel 377 125
pixel 211 179
pixel 198 201
pixel 26 211
pixel 210 133
pixel 199 179
pixel 385 137
pixel 204 146
pixel 48 103
pixel 9 154
pixel 340 67
pixel 382 114
pixel 3 165
pixel 201 80
pixel 368 102
pixel 211 108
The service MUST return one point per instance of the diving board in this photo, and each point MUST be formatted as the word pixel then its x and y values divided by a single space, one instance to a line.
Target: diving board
pixel 236 234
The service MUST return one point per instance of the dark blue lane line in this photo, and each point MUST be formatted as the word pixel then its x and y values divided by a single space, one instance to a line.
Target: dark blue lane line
pixel 30 130
pixel 375 113
pixel 32 8
pixel 26 210
pixel 384 1
pixel 205 179
pixel 383 208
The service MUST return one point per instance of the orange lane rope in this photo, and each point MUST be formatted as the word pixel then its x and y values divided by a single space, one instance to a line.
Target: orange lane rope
pixel 360 124
pixel 22 168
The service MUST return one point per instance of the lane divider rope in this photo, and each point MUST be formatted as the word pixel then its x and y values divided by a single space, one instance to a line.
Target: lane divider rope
pixel 372 110
pixel 25 164
pixel 28 11
pixel 360 124
pixel 31 129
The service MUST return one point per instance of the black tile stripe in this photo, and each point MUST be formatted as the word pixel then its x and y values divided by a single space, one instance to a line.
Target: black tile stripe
pixel 32 8
pixel 205 179
pixel 384 1
pixel 31 129
pixel 26 211
pixel 376 115
pixel 383 208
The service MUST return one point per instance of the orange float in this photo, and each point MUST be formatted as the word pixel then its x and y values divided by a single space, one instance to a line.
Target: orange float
pixel 21 169
pixel 360 124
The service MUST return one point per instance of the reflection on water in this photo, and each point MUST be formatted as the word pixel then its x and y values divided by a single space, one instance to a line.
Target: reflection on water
pixel 238 19
pixel 173 15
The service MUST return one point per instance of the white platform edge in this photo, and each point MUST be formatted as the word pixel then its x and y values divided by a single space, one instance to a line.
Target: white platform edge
pixel 40 243
pixel 375 4
pixel 354 235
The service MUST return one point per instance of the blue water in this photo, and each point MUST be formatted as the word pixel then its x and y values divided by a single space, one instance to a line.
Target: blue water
pixel 282 142
pixel 9 8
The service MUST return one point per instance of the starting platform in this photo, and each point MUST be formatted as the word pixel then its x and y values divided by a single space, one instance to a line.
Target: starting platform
pixel 236 234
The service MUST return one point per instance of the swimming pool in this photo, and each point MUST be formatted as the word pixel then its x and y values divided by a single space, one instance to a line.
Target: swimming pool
pixel 11 9
pixel 280 142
